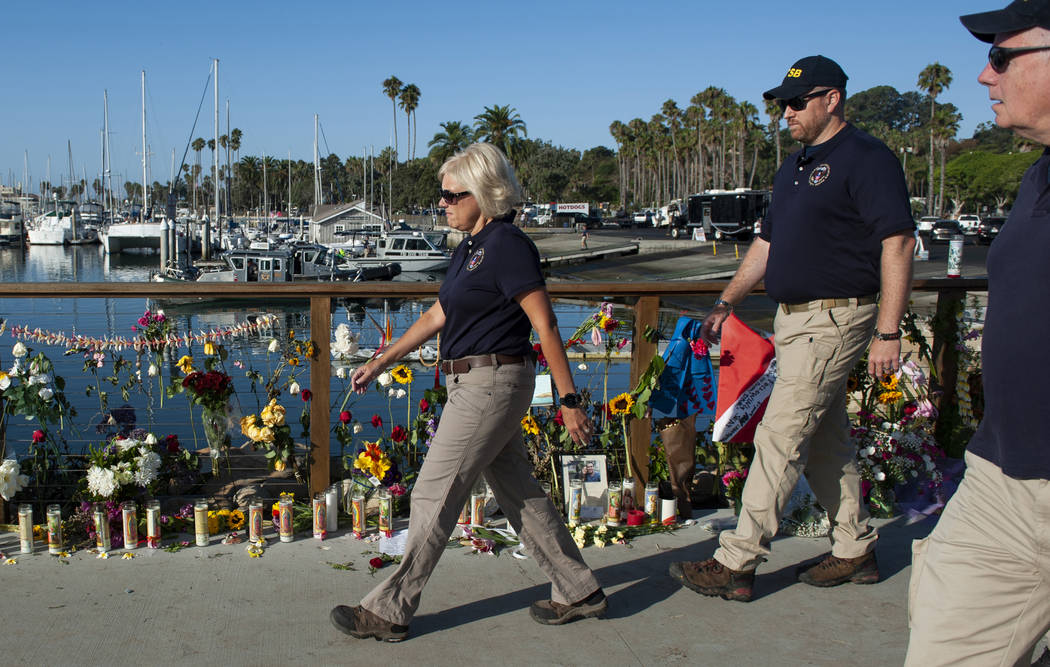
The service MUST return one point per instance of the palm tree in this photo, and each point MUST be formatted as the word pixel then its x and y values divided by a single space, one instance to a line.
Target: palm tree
pixel 392 88
pixel 697 114
pixel 499 125
pixel 775 114
pixel 197 145
pixel 946 125
pixel 409 102
pixel 619 134
pixel 673 115
pixel 454 137
pixel 934 79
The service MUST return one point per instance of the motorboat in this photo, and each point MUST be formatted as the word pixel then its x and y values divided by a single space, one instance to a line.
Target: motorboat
pixel 11 228
pixel 60 226
pixel 414 250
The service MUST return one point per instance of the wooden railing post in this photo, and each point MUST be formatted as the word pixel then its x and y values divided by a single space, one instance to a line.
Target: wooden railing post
pixel 320 381
pixel 646 310
pixel 946 361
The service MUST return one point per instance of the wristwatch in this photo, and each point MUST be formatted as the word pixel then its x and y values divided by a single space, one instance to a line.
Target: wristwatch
pixel 572 401
pixel 896 335
pixel 722 302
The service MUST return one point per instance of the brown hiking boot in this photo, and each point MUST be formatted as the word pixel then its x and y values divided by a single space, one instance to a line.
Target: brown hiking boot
pixel 360 623
pixel 549 612
pixel 833 571
pixel 709 577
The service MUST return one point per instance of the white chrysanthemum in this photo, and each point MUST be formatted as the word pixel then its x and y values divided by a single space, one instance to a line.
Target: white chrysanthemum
pixel 148 464
pixel 294 388
pixel 19 350
pixel 272 347
pixel 124 444
pixel 385 379
pixel 11 479
pixel 101 481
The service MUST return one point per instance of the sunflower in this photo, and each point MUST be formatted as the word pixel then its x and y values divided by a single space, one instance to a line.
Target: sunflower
pixel 529 425
pixel 852 384
pixel 402 374
pixel 235 520
pixel 888 397
pixel 185 364
pixel 213 523
pixel 622 404
pixel 888 382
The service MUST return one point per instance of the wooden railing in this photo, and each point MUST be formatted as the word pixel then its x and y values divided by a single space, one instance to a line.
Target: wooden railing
pixel 645 296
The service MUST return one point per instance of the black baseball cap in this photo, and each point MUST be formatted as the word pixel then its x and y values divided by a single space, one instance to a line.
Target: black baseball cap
pixel 808 73
pixel 1018 15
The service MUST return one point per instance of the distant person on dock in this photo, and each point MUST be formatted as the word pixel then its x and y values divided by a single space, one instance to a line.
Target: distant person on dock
pixel 839 232
pixel 493 296
pixel 583 238
pixel 980 582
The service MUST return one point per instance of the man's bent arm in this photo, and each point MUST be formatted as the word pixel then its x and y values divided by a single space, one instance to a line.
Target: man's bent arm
pixel 897 259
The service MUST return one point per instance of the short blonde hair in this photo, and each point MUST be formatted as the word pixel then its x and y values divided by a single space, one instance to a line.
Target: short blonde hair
pixel 484 171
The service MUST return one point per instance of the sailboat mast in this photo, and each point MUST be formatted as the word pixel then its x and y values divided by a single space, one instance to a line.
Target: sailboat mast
pixel 145 196
pixel 107 178
pixel 207 249
pixel 317 171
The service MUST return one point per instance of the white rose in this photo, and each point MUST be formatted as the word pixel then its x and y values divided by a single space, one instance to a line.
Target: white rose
pixel 880 476
pixel 401 393
pixel 272 347
pixel 392 393
pixel 358 428
pixel 293 388
pixel 340 373
pixel 870 451
pixel 153 370
pixel 160 313
pixel 46 393
pixel 150 439
pixel 19 350
pixel 5 381
pixel 582 367
pixel 385 379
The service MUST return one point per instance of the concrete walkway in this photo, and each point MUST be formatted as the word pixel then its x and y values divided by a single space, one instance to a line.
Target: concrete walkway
pixel 218 606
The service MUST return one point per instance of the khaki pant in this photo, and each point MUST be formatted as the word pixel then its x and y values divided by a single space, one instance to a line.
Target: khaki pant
pixel 805 426
pixel 980 583
pixel 480 432
pixel 679 439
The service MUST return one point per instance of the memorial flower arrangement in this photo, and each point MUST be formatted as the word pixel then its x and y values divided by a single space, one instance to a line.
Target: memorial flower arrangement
pixel 154 328
pixel 121 468
pixel 211 389
pixel 733 483
pixel 31 389
pixel 269 430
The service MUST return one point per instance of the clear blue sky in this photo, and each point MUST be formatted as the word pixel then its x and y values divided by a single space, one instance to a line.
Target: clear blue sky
pixel 569 67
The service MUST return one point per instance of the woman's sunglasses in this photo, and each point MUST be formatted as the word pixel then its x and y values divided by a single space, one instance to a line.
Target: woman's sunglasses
pixel 999 57
pixel 799 103
pixel 453 197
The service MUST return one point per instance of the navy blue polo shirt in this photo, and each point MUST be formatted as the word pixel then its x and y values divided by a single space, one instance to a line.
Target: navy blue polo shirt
pixel 1015 431
pixel 832 205
pixel 487 271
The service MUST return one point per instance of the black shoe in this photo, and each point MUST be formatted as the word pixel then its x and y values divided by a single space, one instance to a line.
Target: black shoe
pixel 360 623
pixel 549 612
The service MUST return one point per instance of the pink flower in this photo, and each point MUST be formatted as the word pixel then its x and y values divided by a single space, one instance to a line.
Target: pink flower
pixel 621 344
pixel 398 490
pixel 38 436
pixel 699 348
pixel 345 416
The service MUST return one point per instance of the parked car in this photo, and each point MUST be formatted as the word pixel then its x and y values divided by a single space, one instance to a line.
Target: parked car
pixel 643 218
pixel 925 223
pixel 989 229
pixel 969 224
pixel 944 230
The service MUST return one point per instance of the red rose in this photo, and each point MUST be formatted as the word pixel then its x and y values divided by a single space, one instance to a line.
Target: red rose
pixel 398 433
pixel 306 394
pixel 172 443
pixel 423 405
pixel 377 421
pixel 558 418
pixel 376 562
pixel 38 436
pixel 345 416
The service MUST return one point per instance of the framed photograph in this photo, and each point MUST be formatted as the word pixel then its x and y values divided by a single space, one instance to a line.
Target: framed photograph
pixel 589 469
pixel 543 395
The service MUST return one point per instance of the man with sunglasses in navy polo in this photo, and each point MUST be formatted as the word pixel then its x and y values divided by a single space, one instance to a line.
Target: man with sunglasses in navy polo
pixel 836 253
pixel 980 583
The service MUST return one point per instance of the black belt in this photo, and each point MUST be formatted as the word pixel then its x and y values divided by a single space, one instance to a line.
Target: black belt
pixel 827 304
pixel 465 364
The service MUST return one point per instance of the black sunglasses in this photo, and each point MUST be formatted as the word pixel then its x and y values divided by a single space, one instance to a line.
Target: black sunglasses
pixel 999 57
pixel 453 197
pixel 799 103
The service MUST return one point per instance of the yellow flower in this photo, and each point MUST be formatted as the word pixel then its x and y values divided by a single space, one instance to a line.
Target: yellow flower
pixel 888 397
pixel 236 520
pixel 209 348
pixel 298 348
pixel 402 374
pixel 622 404
pixel 852 384
pixel 11 561
pixel 185 364
pixel 372 465
pixel 888 382
pixel 279 465
pixel 266 434
pixel 127 555
pixel 273 414
pixel 310 349
pixel 529 425
pixel 248 423
pixel 293 361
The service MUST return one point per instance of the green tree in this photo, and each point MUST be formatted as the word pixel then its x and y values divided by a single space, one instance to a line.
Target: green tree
pixel 453 137
pixel 500 125
pixel 409 102
pixel 392 89
pixel 775 115
pixel 934 79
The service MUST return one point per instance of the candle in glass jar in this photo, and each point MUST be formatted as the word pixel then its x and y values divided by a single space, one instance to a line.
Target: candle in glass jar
pixel 200 522
pixel 153 524
pixel 255 521
pixel 357 512
pixel 25 528
pixel 130 515
pixel 284 519
pixel 668 511
pixel 477 503
pixel 102 540
pixel 575 501
pixel 612 514
pixel 331 497
pixel 54 530
pixel 320 507
pixel 627 502
pixel 652 502
pixel 348 496
pixel 386 512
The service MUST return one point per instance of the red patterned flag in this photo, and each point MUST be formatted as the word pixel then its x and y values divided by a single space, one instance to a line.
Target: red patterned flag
pixel 746 372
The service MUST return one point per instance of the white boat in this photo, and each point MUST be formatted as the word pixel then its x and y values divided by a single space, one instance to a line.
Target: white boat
pixel 60 227
pixel 10 222
pixel 121 236
pixel 416 251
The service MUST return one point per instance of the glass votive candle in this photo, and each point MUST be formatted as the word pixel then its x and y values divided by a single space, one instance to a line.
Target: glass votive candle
pixel 102 538
pixel 200 523
pixel 612 511
pixel 153 524
pixel 320 509
pixel 386 512
pixel 25 528
pixel 357 512
pixel 575 501
pixel 255 521
pixel 331 497
pixel 627 501
pixel 54 530
pixel 284 519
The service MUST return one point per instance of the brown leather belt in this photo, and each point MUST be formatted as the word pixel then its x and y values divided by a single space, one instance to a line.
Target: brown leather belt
pixel 827 304
pixel 465 364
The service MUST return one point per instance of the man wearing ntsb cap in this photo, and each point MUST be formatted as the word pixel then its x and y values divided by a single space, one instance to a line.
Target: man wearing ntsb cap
pixel 980 583
pixel 838 233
